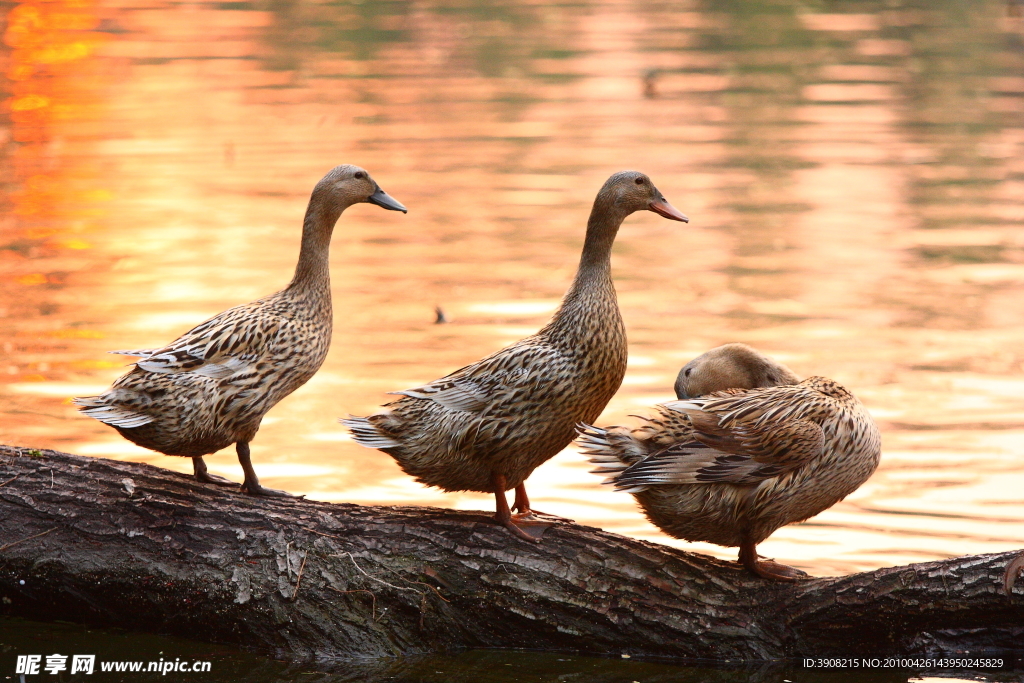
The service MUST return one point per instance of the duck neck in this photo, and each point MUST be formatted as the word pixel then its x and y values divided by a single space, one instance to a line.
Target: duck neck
pixel 591 296
pixel 312 273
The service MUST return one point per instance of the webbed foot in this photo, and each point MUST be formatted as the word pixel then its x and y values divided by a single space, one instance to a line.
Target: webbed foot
pixel 522 504
pixel 533 525
pixel 547 517
pixel 523 525
pixel 251 485
pixel 203 475
pixel 256 489
pixel 768 569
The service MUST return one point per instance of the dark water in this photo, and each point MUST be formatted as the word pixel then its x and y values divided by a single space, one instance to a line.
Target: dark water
pixel 475 666
pixel 854 172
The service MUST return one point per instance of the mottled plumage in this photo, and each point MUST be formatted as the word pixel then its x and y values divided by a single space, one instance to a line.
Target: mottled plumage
pixel 212 386
pixel 732 467
pixel 487 426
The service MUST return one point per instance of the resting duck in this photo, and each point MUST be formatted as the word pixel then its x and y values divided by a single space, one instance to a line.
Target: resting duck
pixel 757 451
pixel 211 387
pixel 487 426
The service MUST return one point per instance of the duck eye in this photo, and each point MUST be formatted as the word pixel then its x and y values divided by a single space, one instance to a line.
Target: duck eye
pixel 639 181
pixel 360 175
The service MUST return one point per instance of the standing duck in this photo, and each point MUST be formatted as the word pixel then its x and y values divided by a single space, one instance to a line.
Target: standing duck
pixel 487 426
pixel 211 387
pixel 757 451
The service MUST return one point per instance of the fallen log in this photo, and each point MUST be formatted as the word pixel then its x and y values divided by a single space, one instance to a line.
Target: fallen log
pixel 123 544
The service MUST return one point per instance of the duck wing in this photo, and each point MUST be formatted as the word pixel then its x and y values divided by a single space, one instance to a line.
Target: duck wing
pixel 224 345
pixel 455 394
pixel 741 439
pixel 517 374
pixel 614 449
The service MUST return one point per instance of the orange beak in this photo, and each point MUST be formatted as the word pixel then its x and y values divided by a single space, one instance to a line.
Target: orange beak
pixel 663 208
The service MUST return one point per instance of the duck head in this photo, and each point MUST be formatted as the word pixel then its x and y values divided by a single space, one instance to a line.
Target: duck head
pixel 346 185
pixel 633 191
pixel 732 366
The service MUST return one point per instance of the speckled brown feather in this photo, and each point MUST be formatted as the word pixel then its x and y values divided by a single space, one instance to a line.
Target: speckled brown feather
pixel 540 381
pixel 510 412
pixel 212 386
pixel 257 354
pixel 734 468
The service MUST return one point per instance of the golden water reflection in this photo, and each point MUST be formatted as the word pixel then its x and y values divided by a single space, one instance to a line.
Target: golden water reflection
pixel 855 182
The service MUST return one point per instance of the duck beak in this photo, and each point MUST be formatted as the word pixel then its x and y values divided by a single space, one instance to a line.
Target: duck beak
pixel 386 201
pixel 663 208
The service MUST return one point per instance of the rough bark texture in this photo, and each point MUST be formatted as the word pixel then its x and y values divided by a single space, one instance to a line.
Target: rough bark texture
pixel 130 545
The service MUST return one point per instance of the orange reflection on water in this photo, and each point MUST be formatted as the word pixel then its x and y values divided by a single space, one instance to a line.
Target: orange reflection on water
pixel 52 84
pixel 54 192
pixel 841 222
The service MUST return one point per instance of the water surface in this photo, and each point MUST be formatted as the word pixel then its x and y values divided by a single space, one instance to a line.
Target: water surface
pixel 854 174
pixel 228 665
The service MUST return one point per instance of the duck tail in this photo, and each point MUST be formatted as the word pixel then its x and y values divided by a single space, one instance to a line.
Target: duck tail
pixel 610 450
pixel 100 408
pixel 365 433
pixel 141 353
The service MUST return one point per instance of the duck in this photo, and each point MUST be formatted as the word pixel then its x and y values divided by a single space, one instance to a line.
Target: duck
pixel 485 427
pixel 746 449
pixel 211 387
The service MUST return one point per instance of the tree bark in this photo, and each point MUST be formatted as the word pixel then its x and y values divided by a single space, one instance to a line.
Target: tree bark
pixel 122 544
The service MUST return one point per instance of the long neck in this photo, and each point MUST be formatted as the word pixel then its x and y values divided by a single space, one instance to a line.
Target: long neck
pixel 591 296
pixel 312 272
